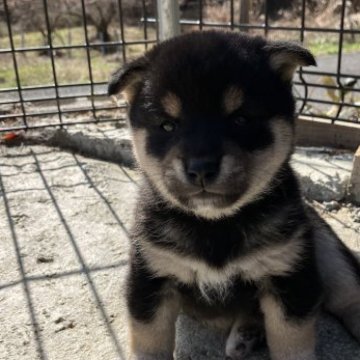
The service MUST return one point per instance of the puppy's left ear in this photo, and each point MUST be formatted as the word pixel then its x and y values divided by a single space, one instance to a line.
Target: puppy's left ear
pixel 128 79
pixel 286 57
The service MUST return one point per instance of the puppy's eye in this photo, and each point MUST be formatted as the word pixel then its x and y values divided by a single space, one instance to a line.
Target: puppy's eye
pixel 168 126
pixel 240 120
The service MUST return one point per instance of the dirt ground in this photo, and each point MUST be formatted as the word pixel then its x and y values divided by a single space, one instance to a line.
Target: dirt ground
pixel 64 222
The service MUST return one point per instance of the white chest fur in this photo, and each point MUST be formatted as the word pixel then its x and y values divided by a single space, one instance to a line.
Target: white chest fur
pixel 276 259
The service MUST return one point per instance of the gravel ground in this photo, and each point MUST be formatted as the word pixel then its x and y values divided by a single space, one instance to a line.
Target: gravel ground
pixel 63 255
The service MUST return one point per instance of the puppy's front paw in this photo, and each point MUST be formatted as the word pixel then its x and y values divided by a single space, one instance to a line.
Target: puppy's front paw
pixel 241 342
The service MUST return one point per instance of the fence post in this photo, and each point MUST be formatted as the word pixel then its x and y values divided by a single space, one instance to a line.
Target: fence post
pixel 355 178
pixel 168 18
pixel 244 14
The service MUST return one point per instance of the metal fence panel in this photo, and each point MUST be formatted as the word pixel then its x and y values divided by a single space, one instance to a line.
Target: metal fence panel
pixel 56 100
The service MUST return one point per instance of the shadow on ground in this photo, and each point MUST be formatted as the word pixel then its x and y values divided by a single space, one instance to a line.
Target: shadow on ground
pixel 63 253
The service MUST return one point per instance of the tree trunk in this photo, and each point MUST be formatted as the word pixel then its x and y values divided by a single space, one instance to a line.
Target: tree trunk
pixel 103 36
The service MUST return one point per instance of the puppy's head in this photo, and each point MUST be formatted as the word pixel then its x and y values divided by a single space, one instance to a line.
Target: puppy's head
pixel 212 117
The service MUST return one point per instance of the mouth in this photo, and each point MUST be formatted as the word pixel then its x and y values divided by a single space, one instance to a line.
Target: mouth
pixel 210 200
pixel 215 198
pixel 204 193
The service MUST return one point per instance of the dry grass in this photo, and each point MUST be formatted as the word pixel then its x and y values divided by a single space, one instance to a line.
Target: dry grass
pixel 318 43
pixel 71 65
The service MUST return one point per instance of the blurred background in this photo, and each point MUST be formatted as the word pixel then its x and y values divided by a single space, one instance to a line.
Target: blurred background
pixel 56 56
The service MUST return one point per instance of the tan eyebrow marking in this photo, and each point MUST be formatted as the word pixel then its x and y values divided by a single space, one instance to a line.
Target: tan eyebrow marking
pixel 233 99
pixel 171 104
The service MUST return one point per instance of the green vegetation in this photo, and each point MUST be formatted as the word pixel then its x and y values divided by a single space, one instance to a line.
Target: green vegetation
pixel 70 64
pixel 325 46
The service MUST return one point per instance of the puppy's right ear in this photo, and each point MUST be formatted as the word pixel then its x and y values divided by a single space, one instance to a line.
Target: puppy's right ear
pixel 127 79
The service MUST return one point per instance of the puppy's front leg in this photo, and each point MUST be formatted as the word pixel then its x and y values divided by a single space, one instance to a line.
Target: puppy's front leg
pixel 290 310
pixel 153 310
pixel 288 339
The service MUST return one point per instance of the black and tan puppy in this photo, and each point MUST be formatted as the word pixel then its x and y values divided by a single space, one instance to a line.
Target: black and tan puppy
pixel 221 230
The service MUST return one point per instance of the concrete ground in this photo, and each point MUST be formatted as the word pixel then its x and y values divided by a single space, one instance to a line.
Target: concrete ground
pixel 64 222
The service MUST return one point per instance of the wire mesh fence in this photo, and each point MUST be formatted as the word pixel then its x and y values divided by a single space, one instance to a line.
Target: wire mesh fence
pixel 56 57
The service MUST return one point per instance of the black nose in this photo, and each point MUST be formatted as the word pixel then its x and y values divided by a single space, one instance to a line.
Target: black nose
pixel 202 171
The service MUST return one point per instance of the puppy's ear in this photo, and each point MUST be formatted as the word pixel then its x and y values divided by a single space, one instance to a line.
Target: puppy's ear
pixel 286 57
pixel 128 78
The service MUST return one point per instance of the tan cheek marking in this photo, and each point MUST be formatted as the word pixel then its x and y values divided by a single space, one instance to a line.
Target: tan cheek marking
pixel 233 98
pixel 171 104
pixel 150 165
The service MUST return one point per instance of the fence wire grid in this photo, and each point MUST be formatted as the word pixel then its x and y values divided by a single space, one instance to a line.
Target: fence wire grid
pixel 54 73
